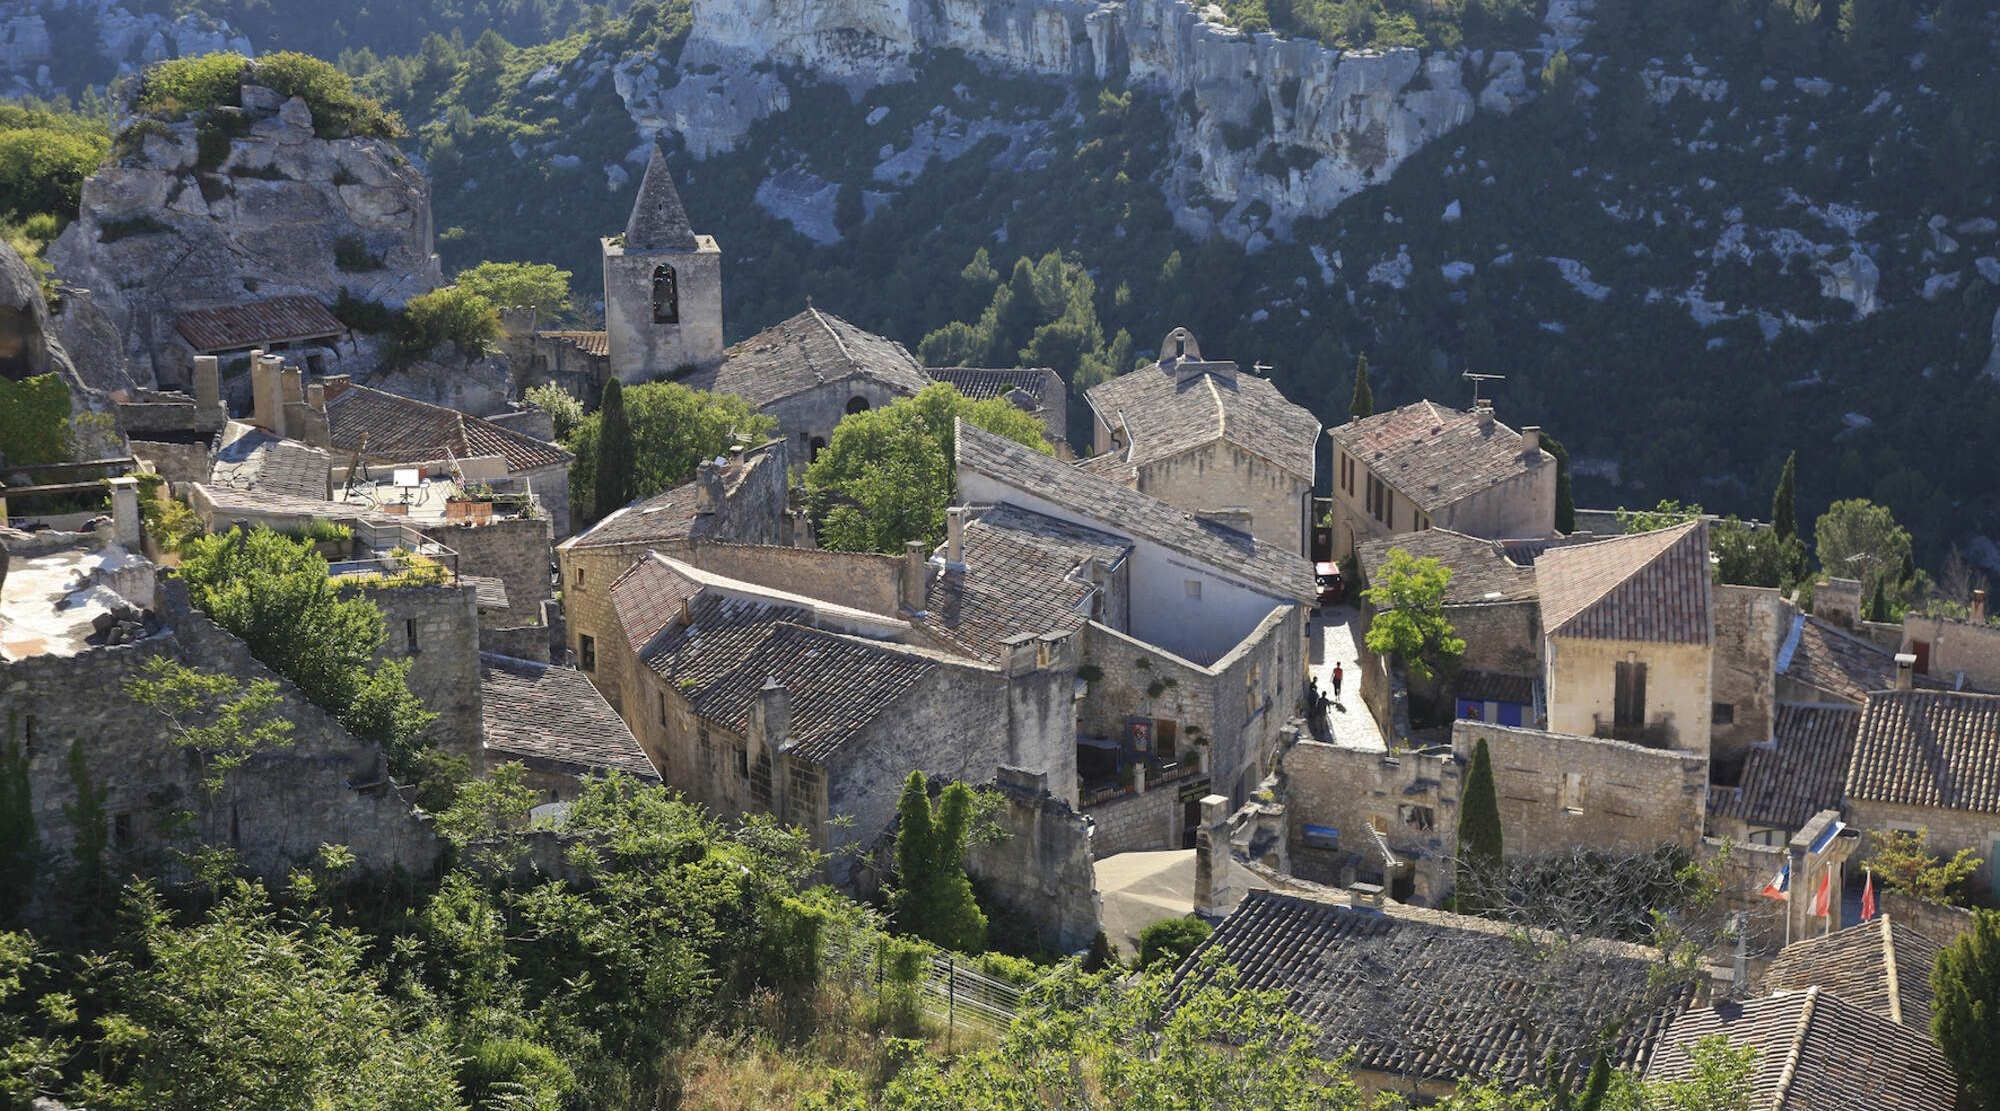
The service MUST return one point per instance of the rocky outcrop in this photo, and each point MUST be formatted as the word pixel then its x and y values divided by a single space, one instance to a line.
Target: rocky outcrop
pixel 174 222
pixel 29 345
pixel 1285 125
pixel 124 40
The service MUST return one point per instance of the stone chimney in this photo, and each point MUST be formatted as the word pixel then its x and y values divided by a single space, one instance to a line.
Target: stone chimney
pixel 1978 614
pixel 914 583
pixel 1482 411
pixel 954 545
pixel 207 382
pixel 125 512
pixel 267 405
pixel 1365 896
pixel 1531 439
pixel 708 492
pixel 1906 670
pixel 1838 601
pixel 772 724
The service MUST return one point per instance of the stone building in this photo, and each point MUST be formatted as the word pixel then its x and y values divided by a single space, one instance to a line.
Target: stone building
pixel 1628 638
pixel 1204 436
pixel 75 617
pixel 1799 773
pixel 1964 655
pixel 1931 760
pixel 1039 392
pixel 662 287
pixel 1424 999
pixel 742 501
pixel 1427 466
pixel 809 372
pixel 297 326
pixel 756 700
pixel 1815 1051
pixel 434 630
pixel 552 721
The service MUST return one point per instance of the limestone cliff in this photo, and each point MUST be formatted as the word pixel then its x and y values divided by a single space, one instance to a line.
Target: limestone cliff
pixel 123 41
pixel 1289 123
pixel 184 216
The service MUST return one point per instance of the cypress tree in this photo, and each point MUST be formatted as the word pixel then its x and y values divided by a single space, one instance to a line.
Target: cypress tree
pixel 1966 983
pixel 614 451
pixel 1785 503
pixel 1565 500
pixel 1479 844
pixel 1878 603
pixel 1363 404
pixel 958 923
pixel 913 899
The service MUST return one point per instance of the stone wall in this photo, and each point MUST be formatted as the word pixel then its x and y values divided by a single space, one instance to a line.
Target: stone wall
pixel 325 788
pixel 1220 476
pixel 642 350
pixel 1409 799
pixel 806 419
pixel 1582 683
pixel 1136 823
pixel 1958 649
pixel 1560 792
pixel 1504 637
pixel 1040 871
pixel 519 551
pixel 436 629
pixel 527 642
pixel 861 580
pixel 177 463
pixel 1950 831
pixel 1942 924
pixel 1750 623
pixel 1741 872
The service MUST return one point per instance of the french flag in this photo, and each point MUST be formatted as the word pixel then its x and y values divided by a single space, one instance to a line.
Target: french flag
pixel 1781 884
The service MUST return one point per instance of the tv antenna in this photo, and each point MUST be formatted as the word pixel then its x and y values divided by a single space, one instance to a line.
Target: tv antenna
pixel 1476 379
pixel 1264 369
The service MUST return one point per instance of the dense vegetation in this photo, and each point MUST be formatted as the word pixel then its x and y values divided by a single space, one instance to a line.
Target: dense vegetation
pixel 669 430
pixel 199 86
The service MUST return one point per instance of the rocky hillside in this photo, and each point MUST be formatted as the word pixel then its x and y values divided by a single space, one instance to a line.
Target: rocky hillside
pixel 244 200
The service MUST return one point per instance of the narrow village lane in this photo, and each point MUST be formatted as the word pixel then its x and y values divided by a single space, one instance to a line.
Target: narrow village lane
pixel 1335 637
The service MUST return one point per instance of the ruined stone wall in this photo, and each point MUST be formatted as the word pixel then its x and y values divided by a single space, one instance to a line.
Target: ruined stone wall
pixel 1136 823
pixel 1560 792
pixel 177 463
pixel 436 629
pixel 1219 475
pixel 1942 924
pixel 1411 798
pixel 520 552
pixel 1039 871
pixel 1505 636
pixel 276 810
pixel 1750 623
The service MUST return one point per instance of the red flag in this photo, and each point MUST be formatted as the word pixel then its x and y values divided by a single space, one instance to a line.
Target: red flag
pixel 1868 897
pixel 1822 897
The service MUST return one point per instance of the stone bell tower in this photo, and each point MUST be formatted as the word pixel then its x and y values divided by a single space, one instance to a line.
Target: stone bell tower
pixel 662 286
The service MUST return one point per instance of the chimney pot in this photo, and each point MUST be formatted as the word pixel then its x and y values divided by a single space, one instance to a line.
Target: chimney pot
pixel 1531 439
pixel 1483 411
pixel 1978 615
pixel 1906 669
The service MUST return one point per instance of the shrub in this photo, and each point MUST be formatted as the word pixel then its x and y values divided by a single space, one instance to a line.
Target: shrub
pixel 1171 941
pixel 370 317
pixel 338 111
pixel 351 253
pixel 184 86
pixel 34 420
pixel 452 315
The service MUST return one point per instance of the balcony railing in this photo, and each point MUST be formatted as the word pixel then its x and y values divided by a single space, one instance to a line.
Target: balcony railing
pixel 385 551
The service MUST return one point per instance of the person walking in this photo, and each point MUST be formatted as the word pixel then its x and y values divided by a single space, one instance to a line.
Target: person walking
pixel 1336 681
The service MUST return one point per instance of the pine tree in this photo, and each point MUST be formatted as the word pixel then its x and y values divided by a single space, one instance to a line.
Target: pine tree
pixel 1363 404
pixel 614 452
pixel 1785 503
pixel 1479 843
pixel 1966 982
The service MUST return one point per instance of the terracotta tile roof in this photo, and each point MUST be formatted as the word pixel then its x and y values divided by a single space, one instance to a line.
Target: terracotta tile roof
pixel 258 461
pixel 405 430
pixel 1176 405
pixel 1481 573
pixel 590 343
pixel 1653 586
pixel 981 384
pixel 1424 993
pixel 1437 456
pixel 1928 748
pixel 809 350
pixel 1881 966
pixel 1266 566
pixel 553 718
pixel 1493 686
pixel 1816 1052
pixel 1024 573
pixel 649 595
pixel 276 320
pixel 659 221
pixel 1800 772
pixel 1827 658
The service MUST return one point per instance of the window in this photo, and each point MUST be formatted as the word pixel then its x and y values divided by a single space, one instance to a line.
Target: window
pixel 579 578
pixel 1776 837
pixel 856 405
pixel 1722 713
pixel 666 295
pixel 1572 792
pixel 410 636
pixel 1629 697
pixel 1417 817
pixel 818 445
pixel 1194 589
pixel 663 707
pixel 742 762
pixel 1166 739
pixel 28 735
pixel 1347 474
pixel 1423 521
pixel 586 647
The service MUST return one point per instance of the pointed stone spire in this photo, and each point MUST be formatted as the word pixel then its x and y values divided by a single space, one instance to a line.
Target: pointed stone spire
pixel 658 223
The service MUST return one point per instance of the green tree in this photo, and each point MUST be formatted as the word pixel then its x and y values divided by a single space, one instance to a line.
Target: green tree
pixel 1750 556
pixel 1666 514
pixel 1966 1010
pixel 538 287
pixel 888 474
pixel 1565 499
pixel 451 315
pixel 1906 864
pixel 673 428
pixel 218 719
pixel 614 452
pixel 933 897
pixel 1480 841
pixel 1785 500
pixel 564 410
pixel 1857 539
pixel 1363 402
pixel 1409 621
